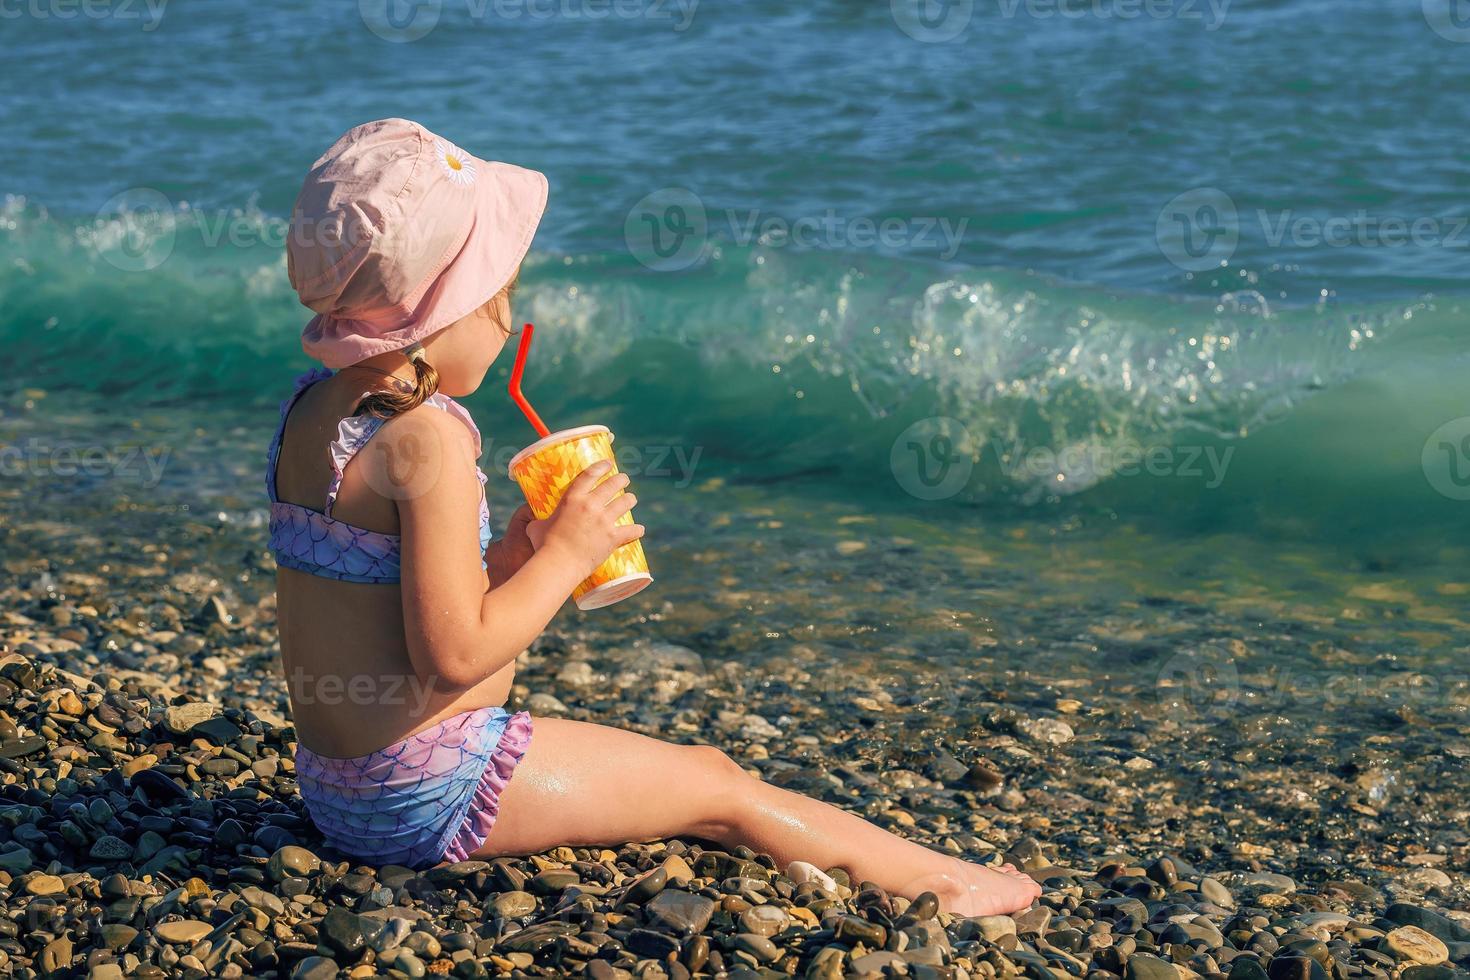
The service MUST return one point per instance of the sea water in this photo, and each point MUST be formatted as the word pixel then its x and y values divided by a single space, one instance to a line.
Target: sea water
pixel 1176 289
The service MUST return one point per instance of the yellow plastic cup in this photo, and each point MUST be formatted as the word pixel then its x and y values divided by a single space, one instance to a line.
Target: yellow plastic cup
pixel 544 469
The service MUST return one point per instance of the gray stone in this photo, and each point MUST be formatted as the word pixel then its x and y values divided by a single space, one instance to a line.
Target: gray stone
pixel 423 943
pixel 1429 920
pixel 1033 921
pixel 1142 966
pixel 259 898
pixel 1422 972
pixel 1046 731
pixel 647 885
pixel 514 905
pixel 1216 893
pixel 759 947
pixel 179 718
pixel 651 944
pixel 45 885
pixel 57 955
pixel 1421 880
pixel 292 862
pixel 390 935
pixel 681 912
pixel 109 848
pixel 763 920
pixel 553 881
pixel 409 964
pixel 17 861
pixel 875 962
pixel 1247 968
pixel 542 703
pixel 851 930
pixel 451 874
pixel 182 931
pixel 315 968
pixel 15 748
pixel 928 955
pixel 535 938
pixel 1415 945
pixel 344 931
pixel 1295 968
pixel 117 936
pixel 1330 921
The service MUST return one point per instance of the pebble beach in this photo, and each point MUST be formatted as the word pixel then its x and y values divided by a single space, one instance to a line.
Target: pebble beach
pixel 150 826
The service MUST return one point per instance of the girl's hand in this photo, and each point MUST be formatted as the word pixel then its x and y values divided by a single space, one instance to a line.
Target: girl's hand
pixel 522 535
pixel 583 529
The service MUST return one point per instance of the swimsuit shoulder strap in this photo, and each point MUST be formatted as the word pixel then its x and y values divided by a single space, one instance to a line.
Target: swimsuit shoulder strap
pixel 273 454
pixel 454 408
pixel 354 432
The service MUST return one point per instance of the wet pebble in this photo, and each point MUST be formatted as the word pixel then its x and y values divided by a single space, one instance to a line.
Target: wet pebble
pixel 681 912
pixel 1415 945
pixel 292 861
pixel 514 904
pixel 182 931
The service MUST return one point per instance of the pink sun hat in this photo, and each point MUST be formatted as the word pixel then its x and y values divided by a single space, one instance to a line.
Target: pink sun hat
pixel 397 233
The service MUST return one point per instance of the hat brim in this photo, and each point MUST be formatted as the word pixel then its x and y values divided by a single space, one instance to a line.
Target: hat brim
pixel 508 205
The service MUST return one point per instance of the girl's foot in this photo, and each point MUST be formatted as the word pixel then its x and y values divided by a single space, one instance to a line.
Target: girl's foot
pixel 974 890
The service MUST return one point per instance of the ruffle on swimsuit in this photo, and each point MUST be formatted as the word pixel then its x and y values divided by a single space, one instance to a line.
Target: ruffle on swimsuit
pixel 432 797
pixel 315 542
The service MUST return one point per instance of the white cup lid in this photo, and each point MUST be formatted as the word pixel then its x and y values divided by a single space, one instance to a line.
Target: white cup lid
pixel 564 435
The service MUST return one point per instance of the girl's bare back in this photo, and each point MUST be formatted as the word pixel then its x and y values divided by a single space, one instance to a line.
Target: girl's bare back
pixel 353 686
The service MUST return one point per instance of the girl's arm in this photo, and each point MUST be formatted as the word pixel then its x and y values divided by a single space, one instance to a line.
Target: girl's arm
pixel 457 633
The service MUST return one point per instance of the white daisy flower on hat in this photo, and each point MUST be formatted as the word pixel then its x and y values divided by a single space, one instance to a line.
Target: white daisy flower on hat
pixel 458 165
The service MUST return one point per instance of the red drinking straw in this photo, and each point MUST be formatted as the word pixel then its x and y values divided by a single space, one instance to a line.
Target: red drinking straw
pixel 515 383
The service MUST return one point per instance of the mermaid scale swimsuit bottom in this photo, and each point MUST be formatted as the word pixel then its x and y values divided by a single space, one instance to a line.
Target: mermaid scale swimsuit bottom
pixel 432 797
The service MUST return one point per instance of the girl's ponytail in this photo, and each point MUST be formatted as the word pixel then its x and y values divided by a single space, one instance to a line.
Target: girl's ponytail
pixel 386 404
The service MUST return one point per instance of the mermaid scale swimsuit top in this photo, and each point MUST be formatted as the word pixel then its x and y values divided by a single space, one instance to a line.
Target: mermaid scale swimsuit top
pixel 315 542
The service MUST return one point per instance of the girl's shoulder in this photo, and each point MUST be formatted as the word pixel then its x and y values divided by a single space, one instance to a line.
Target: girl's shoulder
pixel 415 448
pixel 441 420
pixel 453 409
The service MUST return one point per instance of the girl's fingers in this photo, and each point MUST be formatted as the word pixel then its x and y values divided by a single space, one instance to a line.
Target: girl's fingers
pixel 627 532
pixel 608 489
pixel 587 479
pixel 536 533
pixel 621 505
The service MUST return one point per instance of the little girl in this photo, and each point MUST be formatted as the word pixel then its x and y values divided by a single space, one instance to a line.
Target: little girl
pixel 401 620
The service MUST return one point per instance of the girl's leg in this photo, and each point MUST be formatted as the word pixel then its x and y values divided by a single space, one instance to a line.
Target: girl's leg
pixel 585 785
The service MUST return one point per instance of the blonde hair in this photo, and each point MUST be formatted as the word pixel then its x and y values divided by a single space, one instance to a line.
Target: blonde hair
pixel 386 404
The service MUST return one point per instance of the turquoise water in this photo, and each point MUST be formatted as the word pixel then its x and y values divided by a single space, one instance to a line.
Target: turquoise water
pixel 1206 269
